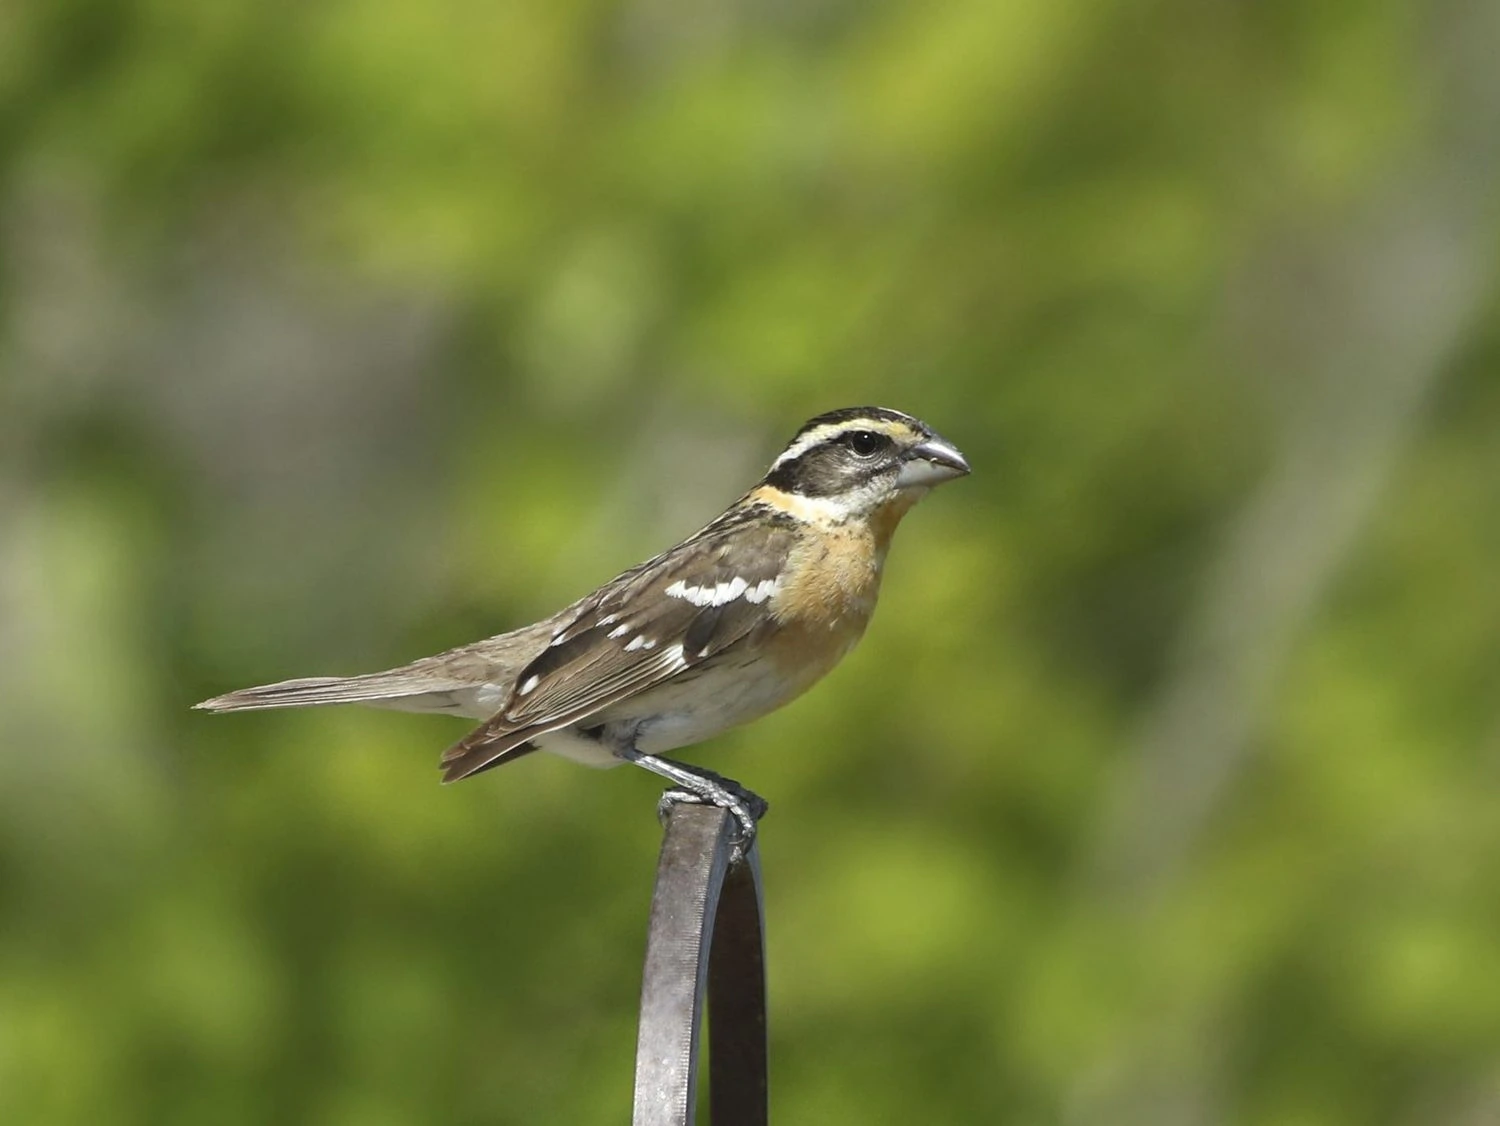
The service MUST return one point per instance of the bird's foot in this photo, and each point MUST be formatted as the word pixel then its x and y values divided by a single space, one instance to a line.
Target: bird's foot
pixel 694 786
pixel 745 806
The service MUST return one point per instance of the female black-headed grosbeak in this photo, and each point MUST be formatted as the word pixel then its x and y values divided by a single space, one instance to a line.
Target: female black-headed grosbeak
pixel 733 622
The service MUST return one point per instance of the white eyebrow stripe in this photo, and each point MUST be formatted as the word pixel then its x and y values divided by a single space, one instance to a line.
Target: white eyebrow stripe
pixel 893 427
pixel 805 443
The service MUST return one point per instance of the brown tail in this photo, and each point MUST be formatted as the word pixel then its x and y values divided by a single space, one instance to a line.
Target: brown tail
pixel 395 689
pixel 483 749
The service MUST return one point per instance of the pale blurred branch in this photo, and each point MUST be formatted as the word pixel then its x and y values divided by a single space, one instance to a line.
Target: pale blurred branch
pixel 1410 276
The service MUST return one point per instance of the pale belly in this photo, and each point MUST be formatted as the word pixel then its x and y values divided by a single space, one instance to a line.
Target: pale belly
pixel 679 713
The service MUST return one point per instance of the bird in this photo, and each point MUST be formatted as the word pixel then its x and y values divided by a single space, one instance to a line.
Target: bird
pixel 735 621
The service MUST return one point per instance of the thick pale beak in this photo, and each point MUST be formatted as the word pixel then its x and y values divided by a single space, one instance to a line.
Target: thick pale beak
pixel 933 462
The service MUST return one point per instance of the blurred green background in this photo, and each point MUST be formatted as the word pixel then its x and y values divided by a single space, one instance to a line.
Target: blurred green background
pixel 1163 789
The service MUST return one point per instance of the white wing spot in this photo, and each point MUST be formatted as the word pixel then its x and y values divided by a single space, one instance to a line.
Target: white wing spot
pixel 620 630
pixel 636 642
pixel 716 595
pixel 608 619
pixel 531 682
pixel 697 595
pixel 762 590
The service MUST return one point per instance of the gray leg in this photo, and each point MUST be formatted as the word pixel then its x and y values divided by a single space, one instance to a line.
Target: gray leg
pixel 703 787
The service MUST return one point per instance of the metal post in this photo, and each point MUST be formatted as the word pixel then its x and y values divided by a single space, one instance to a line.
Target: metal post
pixel 707 936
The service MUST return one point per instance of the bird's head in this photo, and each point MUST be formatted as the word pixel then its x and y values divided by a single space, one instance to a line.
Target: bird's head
pixel 862 461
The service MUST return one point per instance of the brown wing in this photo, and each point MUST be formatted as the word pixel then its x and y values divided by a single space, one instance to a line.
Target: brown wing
pixel 649 625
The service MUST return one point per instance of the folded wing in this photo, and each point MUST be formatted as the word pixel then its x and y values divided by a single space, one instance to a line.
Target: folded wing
pixel 647 627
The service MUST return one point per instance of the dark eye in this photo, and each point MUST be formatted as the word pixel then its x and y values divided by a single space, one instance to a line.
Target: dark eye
pixel 864 443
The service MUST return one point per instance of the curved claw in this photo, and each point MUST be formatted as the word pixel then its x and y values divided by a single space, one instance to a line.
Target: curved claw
pixel 745 806
pixel 696 786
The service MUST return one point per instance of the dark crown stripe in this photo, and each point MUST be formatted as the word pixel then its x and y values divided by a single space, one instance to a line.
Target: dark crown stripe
pixel 857 414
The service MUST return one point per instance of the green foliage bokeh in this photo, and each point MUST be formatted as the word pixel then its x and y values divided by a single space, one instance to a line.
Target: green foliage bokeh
pixel 1163 789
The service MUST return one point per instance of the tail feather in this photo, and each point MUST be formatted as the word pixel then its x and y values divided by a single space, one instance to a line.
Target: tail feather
pixel 457 767
pixel 486 747
pixel 394 689
pixel 472 680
